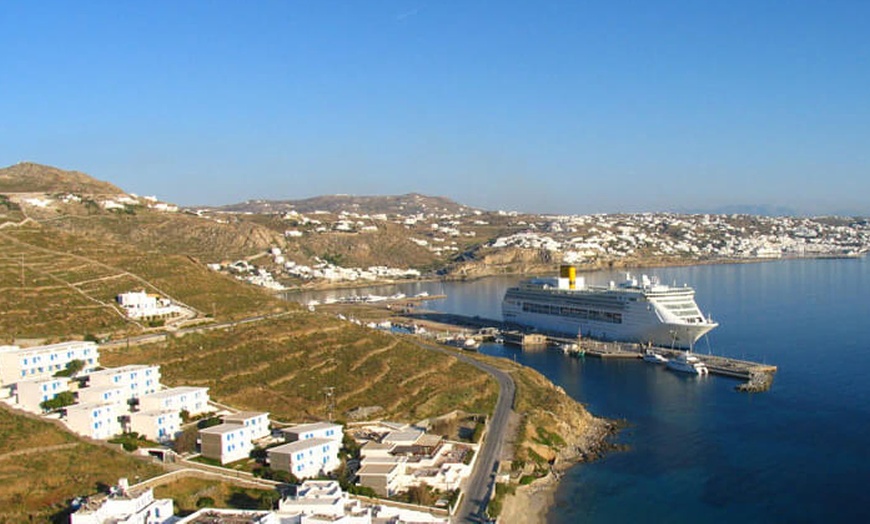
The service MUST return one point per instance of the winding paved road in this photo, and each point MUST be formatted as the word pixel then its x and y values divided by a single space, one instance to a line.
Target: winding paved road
pixel 480 484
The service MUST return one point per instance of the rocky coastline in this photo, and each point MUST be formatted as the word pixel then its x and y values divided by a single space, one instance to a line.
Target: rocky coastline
pixel 529 504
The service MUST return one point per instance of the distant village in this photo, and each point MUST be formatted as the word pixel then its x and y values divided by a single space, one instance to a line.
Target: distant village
pixel 575 239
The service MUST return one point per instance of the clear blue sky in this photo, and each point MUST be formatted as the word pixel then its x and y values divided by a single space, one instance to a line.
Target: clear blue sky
pixel 566 107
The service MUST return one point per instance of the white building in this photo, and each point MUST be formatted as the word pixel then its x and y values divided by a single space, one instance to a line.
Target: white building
pixel 116 394
pixel 137 379
pixel 225 442
pixel 139 304
pixel 160 425
pixel 32 392
pixel 255 422
pixel 306 458
pixel 192 399
pixel 323 498
pixel 97 420
pixel 44 361
pixel 125 506
pixel 383 478
pixel 323 430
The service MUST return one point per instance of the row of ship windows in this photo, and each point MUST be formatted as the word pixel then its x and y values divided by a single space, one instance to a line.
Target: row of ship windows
pixel 573 312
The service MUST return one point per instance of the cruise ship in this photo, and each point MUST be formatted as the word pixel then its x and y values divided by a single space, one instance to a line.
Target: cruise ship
pixel 643 311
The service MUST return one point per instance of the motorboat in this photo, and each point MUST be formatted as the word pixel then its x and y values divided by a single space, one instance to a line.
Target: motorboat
pixel 687 363
pixel 654 358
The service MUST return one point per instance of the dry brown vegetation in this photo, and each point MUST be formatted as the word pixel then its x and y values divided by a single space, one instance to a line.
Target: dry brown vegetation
pixel 43 466
pixel 190 493
pixel 284 366
pixel 59 285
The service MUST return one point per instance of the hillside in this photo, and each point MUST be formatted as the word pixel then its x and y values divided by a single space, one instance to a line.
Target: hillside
pixel 65 255
pixel 44 466
pixel 57 285
pixel 28 177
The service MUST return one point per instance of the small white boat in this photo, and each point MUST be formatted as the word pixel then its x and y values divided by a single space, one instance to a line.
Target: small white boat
pixel 470 344
pixel 654 358
pixel 688 363
pixel 569 347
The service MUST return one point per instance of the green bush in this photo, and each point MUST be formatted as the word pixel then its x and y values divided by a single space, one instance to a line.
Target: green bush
pixel 205 502
pixel 63 399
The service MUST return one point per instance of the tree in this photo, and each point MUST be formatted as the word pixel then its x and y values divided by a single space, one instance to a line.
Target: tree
pixel 71 369
pixel 63 399
pixel 186 441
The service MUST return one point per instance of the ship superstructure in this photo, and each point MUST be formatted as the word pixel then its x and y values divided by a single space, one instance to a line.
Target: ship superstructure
pixel 643 311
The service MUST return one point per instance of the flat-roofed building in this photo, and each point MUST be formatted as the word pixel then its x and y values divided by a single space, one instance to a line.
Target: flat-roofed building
pixel 97 420
pixel 32 392
pixel 324 499
pixel 325 430
pixel 137 379
pixel 102 394
pixel 306 458
pixel 18 363
pixel 225 442
pixel 256 422
pixel 161 425
pixel 192 399
pixel 382 477
pixel 125 505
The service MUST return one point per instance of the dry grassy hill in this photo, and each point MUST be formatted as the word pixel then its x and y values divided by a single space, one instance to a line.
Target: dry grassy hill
pixel 28 177
pixel 43 466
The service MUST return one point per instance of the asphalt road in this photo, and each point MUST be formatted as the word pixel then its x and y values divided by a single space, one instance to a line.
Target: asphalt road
pixel 481 483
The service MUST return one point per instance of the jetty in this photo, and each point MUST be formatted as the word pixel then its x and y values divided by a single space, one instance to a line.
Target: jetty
pixel 759 376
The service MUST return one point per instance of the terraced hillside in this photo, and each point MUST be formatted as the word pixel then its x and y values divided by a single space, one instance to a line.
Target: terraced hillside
pixel 284 366
pixel 58 285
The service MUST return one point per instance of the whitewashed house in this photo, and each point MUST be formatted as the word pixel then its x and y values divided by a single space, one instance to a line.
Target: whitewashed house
pixel 102 394
pixel 383 478
pixel 255 422
pixel 32 392
pixel 18 363
pixel 225 442
pixel 192 399
pixel 138 379
pixel 97 420
pixel 160 425
pixel 323 498
pixel 322 430
pixel 306 458
pixel 125 506
pixel 141 305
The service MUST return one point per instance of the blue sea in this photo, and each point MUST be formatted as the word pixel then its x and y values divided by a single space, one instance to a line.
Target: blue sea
pixel 697 450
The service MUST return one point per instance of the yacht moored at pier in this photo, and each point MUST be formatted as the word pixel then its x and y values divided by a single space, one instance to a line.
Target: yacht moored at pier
pixel 688 363
pixel 643 311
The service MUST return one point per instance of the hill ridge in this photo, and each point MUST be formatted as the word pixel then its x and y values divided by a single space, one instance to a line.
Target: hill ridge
pixel 31 177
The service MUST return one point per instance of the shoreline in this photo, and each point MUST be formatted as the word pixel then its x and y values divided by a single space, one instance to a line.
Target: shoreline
pixel 530 504
pixel 534 270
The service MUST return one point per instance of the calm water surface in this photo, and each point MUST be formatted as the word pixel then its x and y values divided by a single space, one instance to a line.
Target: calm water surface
pixel 698 450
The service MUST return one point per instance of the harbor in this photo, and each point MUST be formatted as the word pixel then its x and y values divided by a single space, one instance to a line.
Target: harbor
pixel 447 326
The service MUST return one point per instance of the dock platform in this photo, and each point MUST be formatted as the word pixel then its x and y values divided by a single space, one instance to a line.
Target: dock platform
pixel 756 373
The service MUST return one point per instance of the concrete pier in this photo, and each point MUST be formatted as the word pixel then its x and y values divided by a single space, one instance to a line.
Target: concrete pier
pixel 760 375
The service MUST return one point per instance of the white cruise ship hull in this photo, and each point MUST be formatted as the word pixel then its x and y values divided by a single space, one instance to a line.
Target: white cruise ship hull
pixel 666 317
